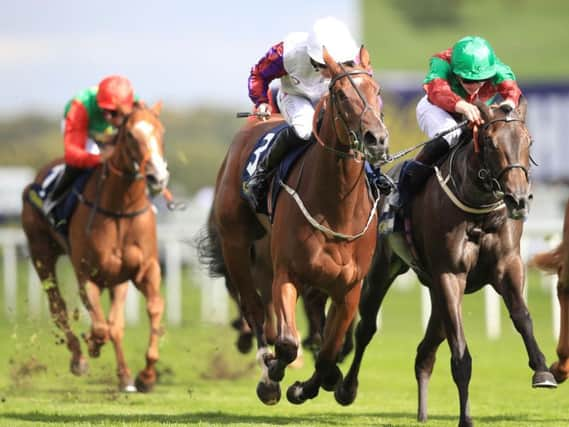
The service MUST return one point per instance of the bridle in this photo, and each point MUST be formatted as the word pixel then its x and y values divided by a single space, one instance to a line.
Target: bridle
pixel 356 147
pixel 490 180
pixel 138 166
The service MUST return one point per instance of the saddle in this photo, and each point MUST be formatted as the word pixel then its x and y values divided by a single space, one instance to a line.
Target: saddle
pixel 62 212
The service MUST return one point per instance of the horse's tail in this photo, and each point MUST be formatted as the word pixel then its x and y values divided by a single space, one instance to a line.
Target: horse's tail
pixel 209 250
pixel 550 261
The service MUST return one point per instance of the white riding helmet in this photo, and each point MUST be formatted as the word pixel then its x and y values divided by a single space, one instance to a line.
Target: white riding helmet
pixel 335 36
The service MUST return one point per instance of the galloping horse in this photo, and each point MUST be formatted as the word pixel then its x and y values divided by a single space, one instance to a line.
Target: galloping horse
pixel 112 239
pixel 556 261
pixel 323 230
pixel 465 231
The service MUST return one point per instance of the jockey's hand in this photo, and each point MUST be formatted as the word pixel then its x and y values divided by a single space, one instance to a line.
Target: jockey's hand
pixel 263 111
pixel 106 153
pixel 470 111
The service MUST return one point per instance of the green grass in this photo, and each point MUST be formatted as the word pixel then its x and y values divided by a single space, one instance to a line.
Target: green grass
pixel 204 381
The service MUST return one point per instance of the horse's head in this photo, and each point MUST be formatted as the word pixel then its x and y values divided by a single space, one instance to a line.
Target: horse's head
pixel 504 147
pixel 143 147
pixel 356 106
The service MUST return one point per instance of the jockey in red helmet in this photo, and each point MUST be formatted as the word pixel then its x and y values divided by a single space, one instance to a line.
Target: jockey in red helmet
pixel 91 119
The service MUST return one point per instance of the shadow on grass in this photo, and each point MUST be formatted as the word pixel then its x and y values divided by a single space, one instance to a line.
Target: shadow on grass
pixel 228 418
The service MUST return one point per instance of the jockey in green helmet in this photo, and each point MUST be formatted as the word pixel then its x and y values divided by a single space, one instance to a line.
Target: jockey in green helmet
pixel 468 72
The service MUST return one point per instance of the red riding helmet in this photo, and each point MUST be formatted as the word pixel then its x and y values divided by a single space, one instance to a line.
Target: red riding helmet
pixel 115 93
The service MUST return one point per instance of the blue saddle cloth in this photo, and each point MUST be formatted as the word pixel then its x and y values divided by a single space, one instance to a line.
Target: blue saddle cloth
pixel 260 150
pixel 65 208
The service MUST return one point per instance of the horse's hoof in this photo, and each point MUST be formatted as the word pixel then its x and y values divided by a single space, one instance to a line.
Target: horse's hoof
pixel 79 367
pixel 269 393
pixel 244 343
pixel 295 395
pixel 560 375
pixel 544 379
pixel 142 386
pixel 344 396
pixel 127 386
pixel 466 422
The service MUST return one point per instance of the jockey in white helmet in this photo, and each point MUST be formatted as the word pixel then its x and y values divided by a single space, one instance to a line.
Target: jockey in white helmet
pixel 304 78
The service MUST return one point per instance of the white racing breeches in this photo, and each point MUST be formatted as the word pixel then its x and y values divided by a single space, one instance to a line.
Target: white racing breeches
pixel 298 112
pixel 433 120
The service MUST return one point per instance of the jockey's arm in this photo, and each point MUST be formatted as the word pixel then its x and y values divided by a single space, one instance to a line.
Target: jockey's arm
pixel 74 137
pixel 269 68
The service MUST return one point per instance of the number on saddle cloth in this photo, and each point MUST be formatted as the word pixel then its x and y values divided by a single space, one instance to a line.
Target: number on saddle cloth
pixel 260 150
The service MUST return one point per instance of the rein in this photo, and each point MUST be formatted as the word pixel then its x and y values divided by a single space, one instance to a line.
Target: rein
pixel 355 149
pixel 492 183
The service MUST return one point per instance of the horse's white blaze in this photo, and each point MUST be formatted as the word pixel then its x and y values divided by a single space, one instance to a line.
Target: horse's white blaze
pixel 157 162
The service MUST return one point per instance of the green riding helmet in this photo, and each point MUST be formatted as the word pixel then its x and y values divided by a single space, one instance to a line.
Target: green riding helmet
pixel 473 58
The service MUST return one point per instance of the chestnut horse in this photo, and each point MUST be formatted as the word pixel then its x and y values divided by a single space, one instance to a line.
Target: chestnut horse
pixel 556 261
pixel 323 230
pixel 466 233
pixel 112 239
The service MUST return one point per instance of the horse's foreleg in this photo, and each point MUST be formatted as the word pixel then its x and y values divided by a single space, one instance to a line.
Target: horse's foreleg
pixel 380 277
pixel 560 369
pixel 449 298
pixel 150 287
pixel 314 302
pixel 425 359
pixel 90 295
pixel 116 331
pixel 285 295
pixel 327 374
pixel 513 283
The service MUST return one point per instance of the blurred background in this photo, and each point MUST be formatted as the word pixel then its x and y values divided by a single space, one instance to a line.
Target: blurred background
pixel 196 57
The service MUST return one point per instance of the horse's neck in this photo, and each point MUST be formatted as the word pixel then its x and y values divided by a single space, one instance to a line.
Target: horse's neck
pixel 463 167
pixel 119 191
pixel 335 179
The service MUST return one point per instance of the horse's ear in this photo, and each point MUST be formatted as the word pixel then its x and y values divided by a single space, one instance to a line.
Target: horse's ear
pixel 365 61
pixel 330 62
pixel 522 107
pixel 156 108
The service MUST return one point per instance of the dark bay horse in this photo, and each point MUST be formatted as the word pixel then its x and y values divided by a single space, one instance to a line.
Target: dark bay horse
pixel 112 239
pixel 329 246
pixel 556 261
pixel 466 233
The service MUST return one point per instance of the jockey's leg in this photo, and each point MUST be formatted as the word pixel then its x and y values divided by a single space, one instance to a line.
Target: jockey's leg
pixel 63 184
pixel 286 140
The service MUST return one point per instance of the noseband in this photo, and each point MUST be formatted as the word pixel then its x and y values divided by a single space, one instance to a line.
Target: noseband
pixel 355 147
pixel 138 167
pixel 491 182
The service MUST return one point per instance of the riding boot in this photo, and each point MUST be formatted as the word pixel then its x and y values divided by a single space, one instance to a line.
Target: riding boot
pixel 258 183
pixel 433 151
pixel 62 186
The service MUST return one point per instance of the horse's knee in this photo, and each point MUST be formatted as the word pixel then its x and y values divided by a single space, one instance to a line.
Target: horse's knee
pixel 100 332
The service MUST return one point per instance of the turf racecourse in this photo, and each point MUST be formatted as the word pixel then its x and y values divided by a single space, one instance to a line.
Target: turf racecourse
pixel 203 381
